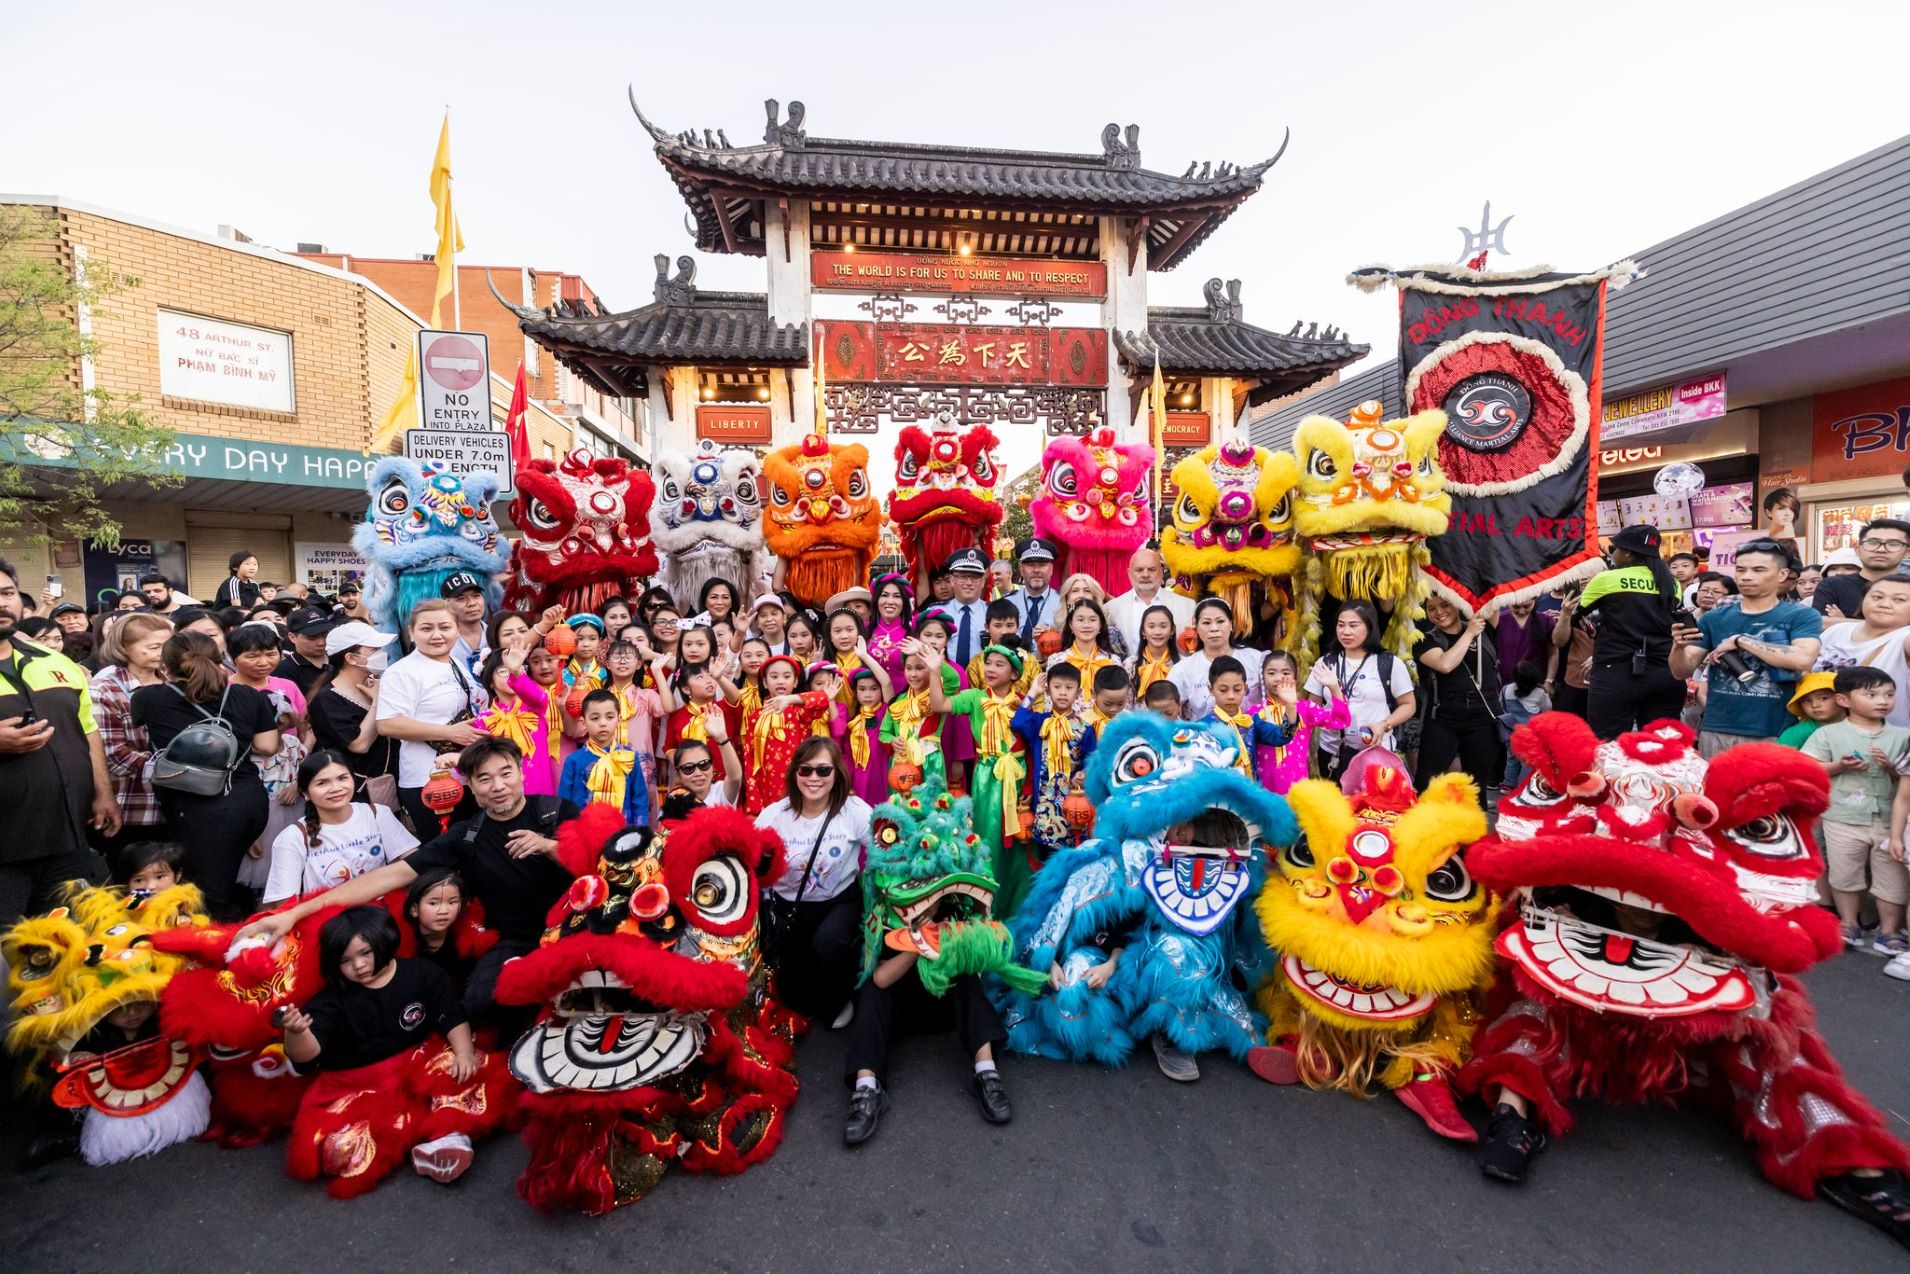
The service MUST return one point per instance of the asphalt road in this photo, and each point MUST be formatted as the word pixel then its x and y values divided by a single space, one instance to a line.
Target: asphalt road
pixel 1100 1171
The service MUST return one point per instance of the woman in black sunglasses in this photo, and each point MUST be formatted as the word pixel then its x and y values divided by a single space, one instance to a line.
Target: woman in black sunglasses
pixel 695 769
pixel 825 832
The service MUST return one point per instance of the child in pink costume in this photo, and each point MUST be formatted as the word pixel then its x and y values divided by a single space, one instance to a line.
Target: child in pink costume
pixel 1279 768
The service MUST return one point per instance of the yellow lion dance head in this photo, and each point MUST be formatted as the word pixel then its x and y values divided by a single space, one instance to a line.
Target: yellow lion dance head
pixel 1371 495
pixel 1233 525
pixel 1384 938
pixel 824 521
pixel 69 969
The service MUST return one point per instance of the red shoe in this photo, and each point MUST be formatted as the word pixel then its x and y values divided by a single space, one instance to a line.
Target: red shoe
pixel 1277 1063
pixel 1430 1097
pixel 445 1159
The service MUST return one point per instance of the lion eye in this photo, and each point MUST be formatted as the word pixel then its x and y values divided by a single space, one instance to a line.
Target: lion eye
pixel 858 485
pixel 1187 511
pixel 1282 511
pixel 720 890
pixel 1321 465
pixel 540 516
pixel 395 499
pixel 1451 882
pixel 1136 760
pixel 1062 480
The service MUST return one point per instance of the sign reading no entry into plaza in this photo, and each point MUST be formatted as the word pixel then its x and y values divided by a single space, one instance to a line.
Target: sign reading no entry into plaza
pixel 454 381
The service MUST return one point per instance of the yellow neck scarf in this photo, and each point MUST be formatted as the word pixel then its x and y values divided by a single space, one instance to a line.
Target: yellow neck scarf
pixel 610 776
pixel 578 671
pixel 768 725
pixel 513 723
pixel 909 712
pixel 859 736
pixel 1148 671
pixel 1239 722
pixel 749 697
pixel 695 727
pixel 1057 740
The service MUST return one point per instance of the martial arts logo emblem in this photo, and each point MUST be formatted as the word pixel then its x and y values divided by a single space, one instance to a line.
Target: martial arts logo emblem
pixel 1487 412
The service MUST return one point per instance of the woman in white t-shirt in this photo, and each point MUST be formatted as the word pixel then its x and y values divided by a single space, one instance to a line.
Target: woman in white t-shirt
pixel 825 832
pixel 338 838
pixel 429 702
pixel 1881 639
pixel 1214 626
pixel 1369 677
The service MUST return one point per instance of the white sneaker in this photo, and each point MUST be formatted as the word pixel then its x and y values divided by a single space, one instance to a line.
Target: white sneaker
pixel 1898 967
pixel 845 1017
pixel 445 1159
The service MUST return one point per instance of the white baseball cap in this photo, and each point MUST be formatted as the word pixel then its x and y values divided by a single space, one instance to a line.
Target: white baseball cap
pixel 351 636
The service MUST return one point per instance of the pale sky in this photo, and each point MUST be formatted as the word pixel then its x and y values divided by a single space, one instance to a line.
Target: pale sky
pixel 1602 128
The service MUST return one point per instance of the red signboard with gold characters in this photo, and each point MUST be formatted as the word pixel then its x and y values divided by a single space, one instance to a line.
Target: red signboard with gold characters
pixel 1187 429
pixel 738 423
pixel 968 276
pixel 961 354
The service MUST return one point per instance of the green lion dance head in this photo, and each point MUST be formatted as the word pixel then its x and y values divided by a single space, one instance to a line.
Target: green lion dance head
pixel 927 888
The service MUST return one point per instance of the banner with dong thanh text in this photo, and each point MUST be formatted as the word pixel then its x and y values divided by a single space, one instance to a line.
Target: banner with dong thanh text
pixel 1514 361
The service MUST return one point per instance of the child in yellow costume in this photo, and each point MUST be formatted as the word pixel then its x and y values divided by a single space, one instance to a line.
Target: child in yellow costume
pixel 1385 943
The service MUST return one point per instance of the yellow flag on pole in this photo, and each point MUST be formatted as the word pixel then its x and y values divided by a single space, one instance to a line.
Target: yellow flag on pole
pixel 403 411
pixel 450 237
pixel 1157 434
pixel 822 412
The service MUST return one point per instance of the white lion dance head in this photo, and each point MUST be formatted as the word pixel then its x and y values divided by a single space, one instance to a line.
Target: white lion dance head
pixel 708 520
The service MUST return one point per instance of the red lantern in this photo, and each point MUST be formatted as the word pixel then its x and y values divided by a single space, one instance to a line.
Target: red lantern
pixel 561 641
pixel 904 775
pixel 1189 641
pixel 1047 642
pixel 574 701
pixel 1077 808
pixel 441 794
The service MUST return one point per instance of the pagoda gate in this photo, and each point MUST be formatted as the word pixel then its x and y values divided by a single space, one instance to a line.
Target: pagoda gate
pixel 1002 287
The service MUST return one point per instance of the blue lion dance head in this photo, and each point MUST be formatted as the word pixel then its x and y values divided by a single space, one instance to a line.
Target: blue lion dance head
pixel 425 524
pixel 1187 822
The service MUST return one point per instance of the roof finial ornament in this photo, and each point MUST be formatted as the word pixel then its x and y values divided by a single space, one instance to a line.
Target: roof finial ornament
pixel 1192 164
pixel 1313 332
pixel 1206 171
pixel 1223 300
pixel 791 135
pixel 1297 325
pixel 1486 239
pixel 682 289
pixel 1118 153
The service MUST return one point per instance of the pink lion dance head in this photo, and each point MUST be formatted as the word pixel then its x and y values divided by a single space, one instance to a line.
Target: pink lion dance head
pixel 1093 501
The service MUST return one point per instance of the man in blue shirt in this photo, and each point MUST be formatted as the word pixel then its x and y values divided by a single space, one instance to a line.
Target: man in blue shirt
pixel 1775 642
pixel 1038 605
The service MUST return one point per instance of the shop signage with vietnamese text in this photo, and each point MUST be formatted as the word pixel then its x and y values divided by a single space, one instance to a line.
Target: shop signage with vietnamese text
pixel 212 360
pixel 972 276
pixel 1663 408
pixel 734 423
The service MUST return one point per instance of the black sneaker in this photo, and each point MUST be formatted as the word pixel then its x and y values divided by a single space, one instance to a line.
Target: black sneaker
pixel 1511 1141
pixel 1882 1200
pixel 865 1112
pixel 992 1096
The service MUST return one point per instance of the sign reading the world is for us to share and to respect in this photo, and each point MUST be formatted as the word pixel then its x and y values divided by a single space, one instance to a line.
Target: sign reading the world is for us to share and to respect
pixel 454 381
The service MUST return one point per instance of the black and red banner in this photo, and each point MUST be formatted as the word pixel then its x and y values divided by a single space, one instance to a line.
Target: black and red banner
pixel 1514 361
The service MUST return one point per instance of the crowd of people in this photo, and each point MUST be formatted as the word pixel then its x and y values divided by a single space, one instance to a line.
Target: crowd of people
pixel 346 762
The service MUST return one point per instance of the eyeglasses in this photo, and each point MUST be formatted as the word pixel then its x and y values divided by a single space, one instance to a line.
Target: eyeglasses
pixel 1872 542
pixel 695 767
pixel 663 623
pixel 815 771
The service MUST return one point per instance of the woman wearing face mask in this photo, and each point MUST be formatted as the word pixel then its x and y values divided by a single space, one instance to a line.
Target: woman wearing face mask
pixel 825 833
pixel 1214 625
pixel 429 703
pixel 343 702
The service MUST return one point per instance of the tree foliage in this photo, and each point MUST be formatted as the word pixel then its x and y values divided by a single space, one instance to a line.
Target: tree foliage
pixel 62 443
pixel 1015 523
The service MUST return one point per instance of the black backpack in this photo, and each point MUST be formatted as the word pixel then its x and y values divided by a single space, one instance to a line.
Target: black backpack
pixel 201 758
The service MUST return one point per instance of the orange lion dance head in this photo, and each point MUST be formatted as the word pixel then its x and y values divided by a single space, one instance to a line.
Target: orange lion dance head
pixel 824 522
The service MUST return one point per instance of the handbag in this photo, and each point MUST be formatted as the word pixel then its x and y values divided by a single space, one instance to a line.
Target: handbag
pixel 777 917
pixel 469 714
pixel 382 789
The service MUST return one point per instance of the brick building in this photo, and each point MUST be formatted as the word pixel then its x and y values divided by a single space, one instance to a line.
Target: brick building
pixel 272 370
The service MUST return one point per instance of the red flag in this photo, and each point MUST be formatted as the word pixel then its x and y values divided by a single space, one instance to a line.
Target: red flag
pixel 514 420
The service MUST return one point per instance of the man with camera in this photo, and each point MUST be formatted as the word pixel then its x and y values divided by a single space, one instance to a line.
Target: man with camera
pixel 1753 652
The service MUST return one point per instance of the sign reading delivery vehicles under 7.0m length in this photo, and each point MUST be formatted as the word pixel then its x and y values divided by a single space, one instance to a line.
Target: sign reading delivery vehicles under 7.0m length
pixel 454 408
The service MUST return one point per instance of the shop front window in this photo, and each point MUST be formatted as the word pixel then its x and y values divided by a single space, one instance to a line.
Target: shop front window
pixel 1837 526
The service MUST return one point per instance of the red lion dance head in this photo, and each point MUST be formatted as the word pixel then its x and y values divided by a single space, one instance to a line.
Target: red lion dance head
pixel 658 1043
pixel 823 522
pixel 1093 501
pixel 584 533
pixel 944 497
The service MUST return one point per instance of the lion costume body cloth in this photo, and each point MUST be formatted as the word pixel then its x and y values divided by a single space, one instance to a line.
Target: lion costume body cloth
pixel 1093 501
pixel 425 524
pixel 67 972
pixel 1232 530
pixel 823 523
pixel 1666 905
pixel 659 1043
pixel 944 497
pixel 1180 843
pixel 1384 941
pixel 1371 494
pixel 583 533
